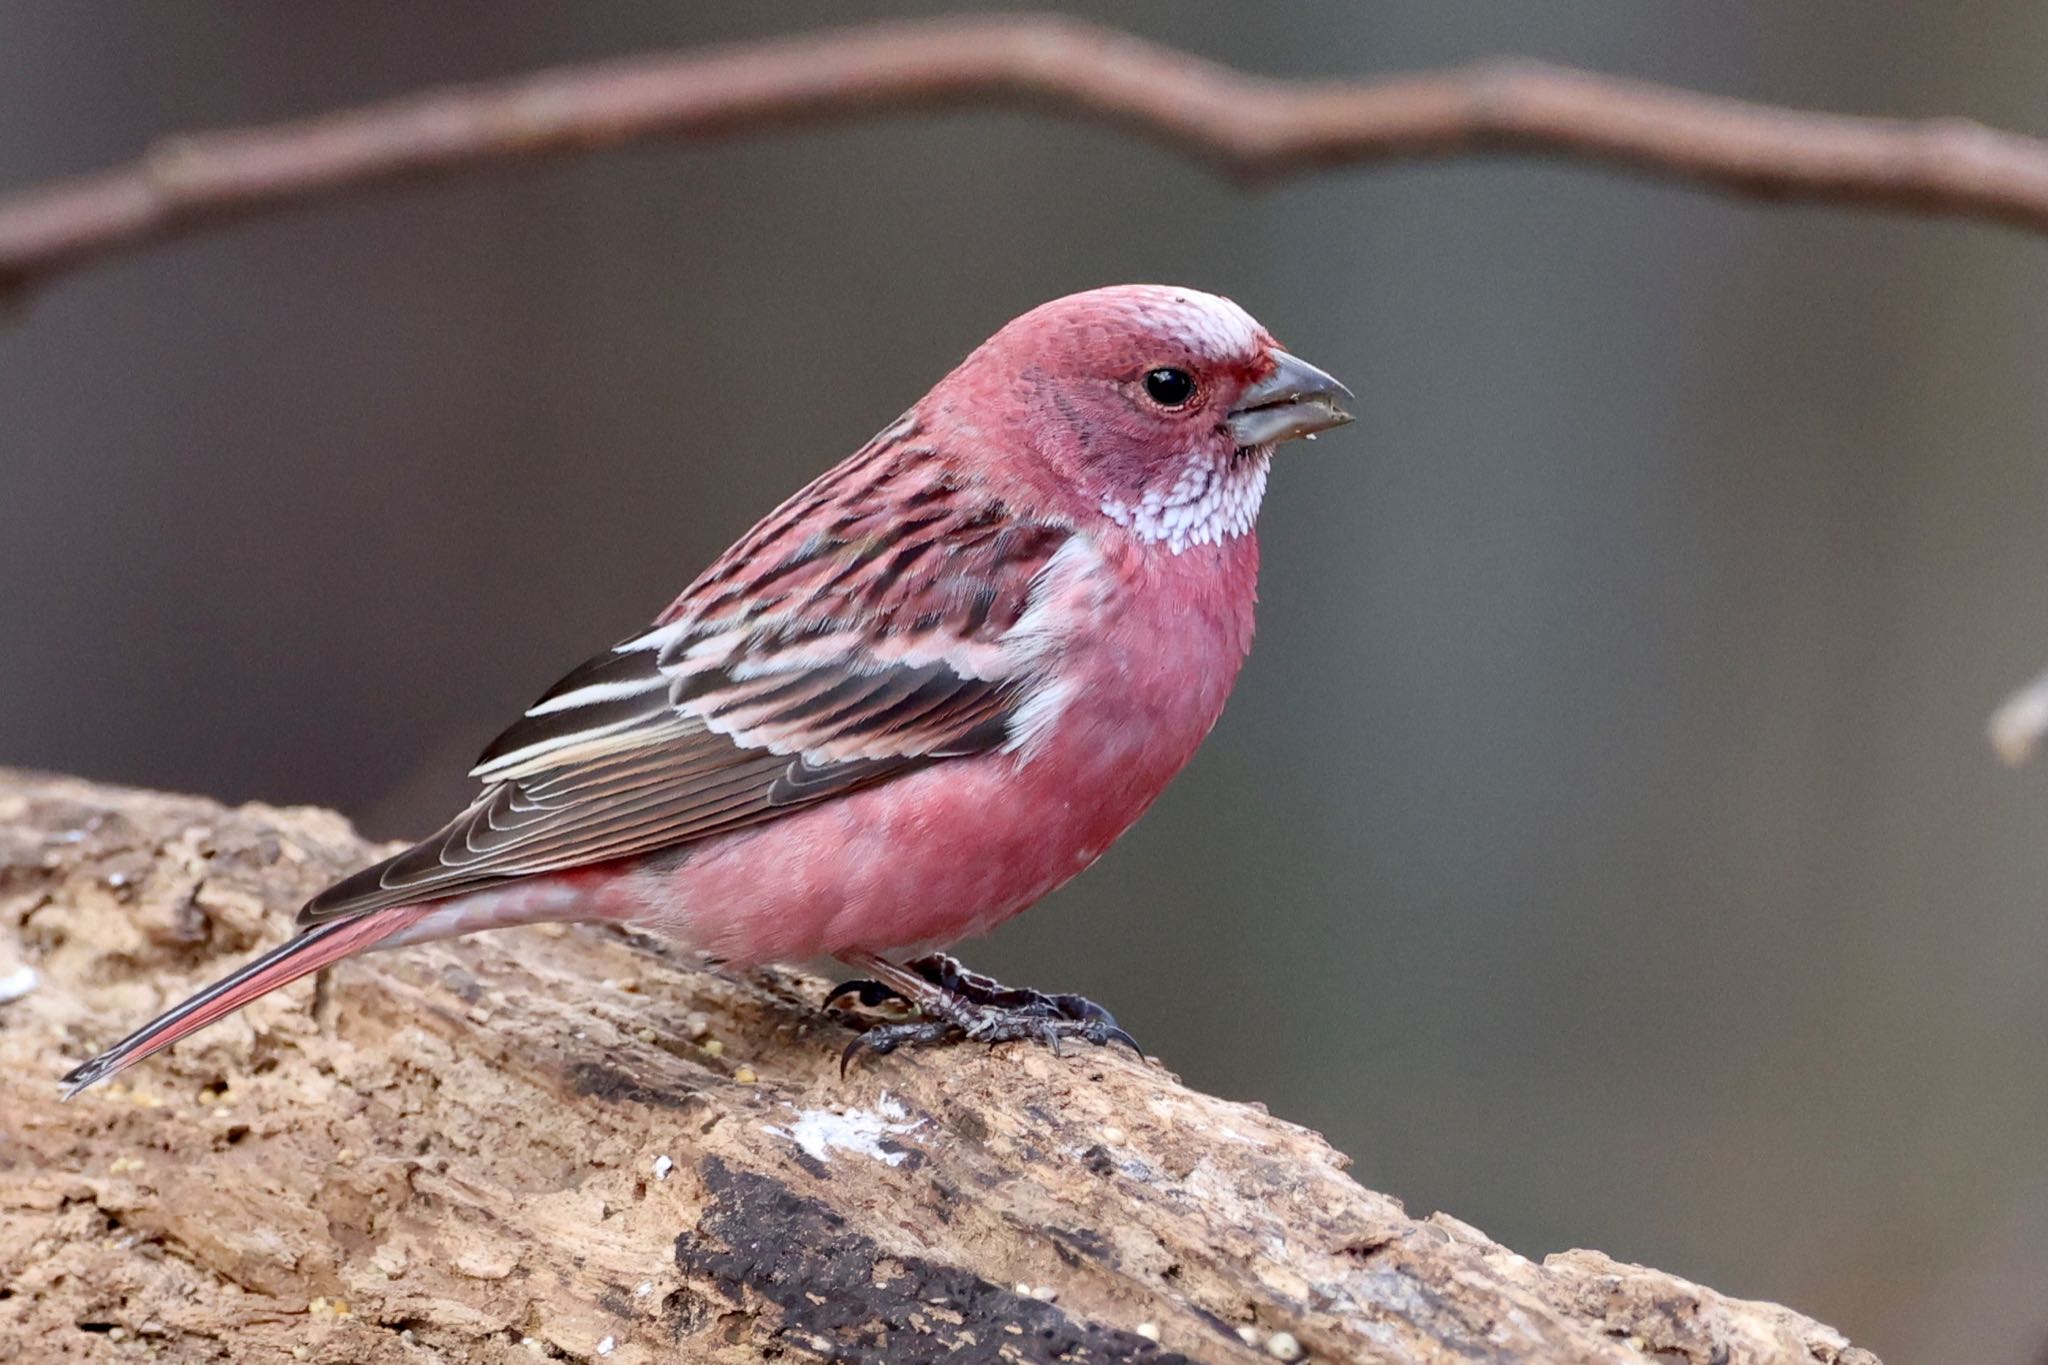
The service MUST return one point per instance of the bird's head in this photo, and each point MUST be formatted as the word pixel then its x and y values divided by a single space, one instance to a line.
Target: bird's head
pixel 1146 407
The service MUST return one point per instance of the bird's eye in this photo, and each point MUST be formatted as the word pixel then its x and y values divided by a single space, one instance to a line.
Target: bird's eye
pixel 1169 387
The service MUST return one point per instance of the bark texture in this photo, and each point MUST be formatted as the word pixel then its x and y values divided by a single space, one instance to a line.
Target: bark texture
pixel 578 1145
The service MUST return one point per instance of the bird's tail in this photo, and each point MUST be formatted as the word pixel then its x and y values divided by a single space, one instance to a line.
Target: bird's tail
pixel 287 962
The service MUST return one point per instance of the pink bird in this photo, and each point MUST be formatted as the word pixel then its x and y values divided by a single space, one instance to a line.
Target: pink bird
pixel 918 696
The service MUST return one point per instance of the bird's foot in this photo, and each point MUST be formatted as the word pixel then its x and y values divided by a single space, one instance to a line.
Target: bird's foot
pixel 964 1006
pixel 990 1026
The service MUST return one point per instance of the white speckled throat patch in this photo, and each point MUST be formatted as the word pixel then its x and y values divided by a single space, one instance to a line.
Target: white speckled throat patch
pixel 1213 500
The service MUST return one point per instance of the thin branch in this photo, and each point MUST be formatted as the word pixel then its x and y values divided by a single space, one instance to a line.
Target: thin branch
pixel 1250 126
pixel 2018 726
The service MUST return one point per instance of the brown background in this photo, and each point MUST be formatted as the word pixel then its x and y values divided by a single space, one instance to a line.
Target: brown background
pixel 1608 787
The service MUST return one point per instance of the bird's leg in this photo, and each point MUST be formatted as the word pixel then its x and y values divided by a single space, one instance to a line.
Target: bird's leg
pixel 959 1005
pixel 948 973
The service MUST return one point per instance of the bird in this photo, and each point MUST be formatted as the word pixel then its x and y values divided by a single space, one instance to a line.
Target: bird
pixel 929 688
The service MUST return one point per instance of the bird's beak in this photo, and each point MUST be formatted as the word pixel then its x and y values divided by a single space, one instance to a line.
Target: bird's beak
pixel 1297 399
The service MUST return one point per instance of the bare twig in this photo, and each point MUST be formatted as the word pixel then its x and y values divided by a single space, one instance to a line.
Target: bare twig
pixel 2018 726
pixel 1247 125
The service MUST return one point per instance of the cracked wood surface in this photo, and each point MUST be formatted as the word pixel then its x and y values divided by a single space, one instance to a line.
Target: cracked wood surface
pixel 577 1145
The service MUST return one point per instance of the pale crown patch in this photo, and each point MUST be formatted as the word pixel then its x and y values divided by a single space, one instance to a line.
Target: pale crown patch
pixel 1208 324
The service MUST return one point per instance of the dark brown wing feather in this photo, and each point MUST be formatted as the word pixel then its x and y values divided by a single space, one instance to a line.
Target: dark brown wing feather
pixel 857 633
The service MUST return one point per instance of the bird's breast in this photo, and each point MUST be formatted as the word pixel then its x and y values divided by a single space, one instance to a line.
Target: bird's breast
pixel 1135 668
pixel 1144 666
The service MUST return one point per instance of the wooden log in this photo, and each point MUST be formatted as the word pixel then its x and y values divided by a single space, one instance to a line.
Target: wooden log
pixel 580 1145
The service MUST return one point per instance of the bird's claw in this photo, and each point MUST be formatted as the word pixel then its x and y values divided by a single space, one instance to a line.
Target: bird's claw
pixel 883 1039
pixel 965 1006
pixel 991 1027
pixel 947 973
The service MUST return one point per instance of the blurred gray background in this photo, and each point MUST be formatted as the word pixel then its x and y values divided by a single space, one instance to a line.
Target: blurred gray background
pixel 1602 844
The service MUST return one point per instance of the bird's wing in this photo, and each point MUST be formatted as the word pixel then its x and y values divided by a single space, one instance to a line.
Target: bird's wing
pixel 876 623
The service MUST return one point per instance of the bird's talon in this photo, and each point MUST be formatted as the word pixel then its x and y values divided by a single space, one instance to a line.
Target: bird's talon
pixel 959 1005
pixel 1113 1034
pixel 883 1039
